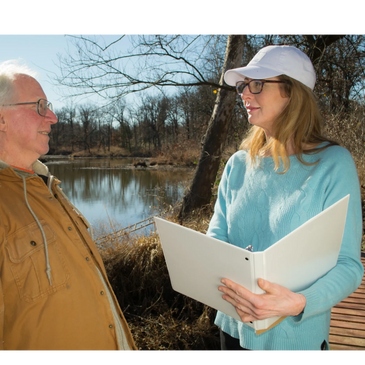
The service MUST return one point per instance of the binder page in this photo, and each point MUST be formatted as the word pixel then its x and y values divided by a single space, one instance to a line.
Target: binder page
pixel 310 251
pixel 197 263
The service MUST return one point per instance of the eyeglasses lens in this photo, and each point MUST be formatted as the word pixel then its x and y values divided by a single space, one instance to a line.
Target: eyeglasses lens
pixel 255 87
pixel 43 106
pixel 240 87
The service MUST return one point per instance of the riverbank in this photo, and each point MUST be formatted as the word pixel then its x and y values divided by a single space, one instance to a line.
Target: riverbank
pixel 134 163
pixel 177 155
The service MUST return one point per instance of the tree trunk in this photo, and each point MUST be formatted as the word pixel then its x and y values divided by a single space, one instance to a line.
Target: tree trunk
pixel 200 191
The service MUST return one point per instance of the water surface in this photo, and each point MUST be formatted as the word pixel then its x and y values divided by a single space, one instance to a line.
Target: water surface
pixel 111 190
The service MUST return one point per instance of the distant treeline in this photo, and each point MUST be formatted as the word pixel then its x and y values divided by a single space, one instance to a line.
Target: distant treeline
pixel 193 65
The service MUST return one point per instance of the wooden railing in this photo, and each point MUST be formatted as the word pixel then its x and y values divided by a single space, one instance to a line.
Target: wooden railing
pixel 111 237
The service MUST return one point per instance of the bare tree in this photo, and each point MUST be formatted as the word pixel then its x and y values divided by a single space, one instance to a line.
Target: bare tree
pixel 87 126
pixel 118 113
pixel 200 191
pixel 149 61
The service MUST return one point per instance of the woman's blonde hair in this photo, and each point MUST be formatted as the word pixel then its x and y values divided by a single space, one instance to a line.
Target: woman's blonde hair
pixel 299 123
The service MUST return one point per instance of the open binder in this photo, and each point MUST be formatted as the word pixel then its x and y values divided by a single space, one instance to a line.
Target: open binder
pixel 197 263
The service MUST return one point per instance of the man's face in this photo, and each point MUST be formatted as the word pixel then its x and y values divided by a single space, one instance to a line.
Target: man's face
pixel 26 131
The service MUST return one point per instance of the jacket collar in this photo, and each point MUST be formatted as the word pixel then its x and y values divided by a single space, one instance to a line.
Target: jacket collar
pixel 38 167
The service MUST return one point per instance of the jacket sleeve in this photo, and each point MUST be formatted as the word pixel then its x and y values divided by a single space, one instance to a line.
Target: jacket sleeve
pixel 2 299
pixel 2 309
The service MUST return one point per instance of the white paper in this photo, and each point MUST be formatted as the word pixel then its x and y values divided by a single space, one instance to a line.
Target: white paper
pixel 197 263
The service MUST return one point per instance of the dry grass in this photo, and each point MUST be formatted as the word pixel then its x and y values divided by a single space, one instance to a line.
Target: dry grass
pixel 349 131
pixel 159 317
pixel 181 154
pixel 103 152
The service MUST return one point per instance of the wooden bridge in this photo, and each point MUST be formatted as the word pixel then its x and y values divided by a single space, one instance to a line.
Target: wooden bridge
pixel 347 331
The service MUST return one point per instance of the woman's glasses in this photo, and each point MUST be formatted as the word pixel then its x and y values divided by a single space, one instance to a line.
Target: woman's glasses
pixel 255 86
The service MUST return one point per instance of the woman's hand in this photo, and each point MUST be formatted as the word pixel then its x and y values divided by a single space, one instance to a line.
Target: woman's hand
pixel 277 301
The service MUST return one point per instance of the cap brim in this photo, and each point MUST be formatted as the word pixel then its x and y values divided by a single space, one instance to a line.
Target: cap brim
pixel 231 77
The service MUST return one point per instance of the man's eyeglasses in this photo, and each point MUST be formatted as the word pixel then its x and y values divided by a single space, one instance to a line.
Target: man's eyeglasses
pixel 42 106
pixel 255 86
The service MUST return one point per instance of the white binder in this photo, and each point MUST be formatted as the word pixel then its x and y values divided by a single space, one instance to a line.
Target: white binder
pixel 197 263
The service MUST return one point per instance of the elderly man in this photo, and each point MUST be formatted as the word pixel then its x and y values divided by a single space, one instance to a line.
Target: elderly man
pixel 54 292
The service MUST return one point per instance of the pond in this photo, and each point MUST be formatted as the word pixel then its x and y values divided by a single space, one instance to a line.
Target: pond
pixel 113 193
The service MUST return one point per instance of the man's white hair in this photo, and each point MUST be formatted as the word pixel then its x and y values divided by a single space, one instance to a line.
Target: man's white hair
pixel 8 71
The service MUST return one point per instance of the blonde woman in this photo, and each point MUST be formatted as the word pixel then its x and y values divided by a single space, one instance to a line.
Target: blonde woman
pixel 285 173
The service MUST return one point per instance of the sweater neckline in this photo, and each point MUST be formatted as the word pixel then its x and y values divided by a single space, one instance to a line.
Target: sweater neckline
pixel 295 155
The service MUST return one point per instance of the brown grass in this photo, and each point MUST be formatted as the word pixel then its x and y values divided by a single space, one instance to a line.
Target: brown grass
pixel 182 154
pixel 103 152
pixel 349 131
pixel 159 317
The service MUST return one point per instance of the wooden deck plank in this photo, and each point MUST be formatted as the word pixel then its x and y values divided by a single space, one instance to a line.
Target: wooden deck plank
pixel 360 334
pixel 347 324
pixel 356 295
pixel 341 349
pixel 347 328
pixel 350 312
pixel 351 306
pixel 343 340
pixel 346 317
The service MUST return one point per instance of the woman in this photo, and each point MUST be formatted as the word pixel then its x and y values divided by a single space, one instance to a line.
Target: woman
pixel 285 173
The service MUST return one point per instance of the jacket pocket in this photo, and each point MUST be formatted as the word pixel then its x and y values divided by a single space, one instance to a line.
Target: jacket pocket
pixel 27 260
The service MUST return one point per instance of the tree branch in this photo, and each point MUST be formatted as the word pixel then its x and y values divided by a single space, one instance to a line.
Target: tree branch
pixel 157 61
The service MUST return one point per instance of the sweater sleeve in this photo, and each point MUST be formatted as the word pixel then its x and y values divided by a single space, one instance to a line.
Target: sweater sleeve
pixel 347 275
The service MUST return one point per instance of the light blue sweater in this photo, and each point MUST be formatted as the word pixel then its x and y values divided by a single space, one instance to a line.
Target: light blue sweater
pixel 257 206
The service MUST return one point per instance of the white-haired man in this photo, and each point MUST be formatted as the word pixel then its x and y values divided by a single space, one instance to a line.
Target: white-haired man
pixel 54 292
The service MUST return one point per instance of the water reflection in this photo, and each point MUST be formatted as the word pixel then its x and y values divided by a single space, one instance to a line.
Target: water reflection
pixel 102 189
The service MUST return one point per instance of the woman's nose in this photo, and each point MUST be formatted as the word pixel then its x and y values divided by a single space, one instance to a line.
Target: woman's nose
pixel 246 94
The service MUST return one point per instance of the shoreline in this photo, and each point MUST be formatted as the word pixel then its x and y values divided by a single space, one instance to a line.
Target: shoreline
pixel 136 162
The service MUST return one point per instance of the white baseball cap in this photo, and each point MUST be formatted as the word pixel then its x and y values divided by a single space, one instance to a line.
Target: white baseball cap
pixel 273 61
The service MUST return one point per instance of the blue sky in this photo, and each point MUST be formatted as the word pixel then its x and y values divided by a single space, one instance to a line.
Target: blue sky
pixel 40 53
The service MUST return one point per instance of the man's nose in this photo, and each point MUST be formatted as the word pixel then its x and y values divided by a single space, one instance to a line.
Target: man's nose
pixel 51 117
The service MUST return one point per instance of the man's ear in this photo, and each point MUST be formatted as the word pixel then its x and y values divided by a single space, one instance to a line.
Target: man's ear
pixel 3 124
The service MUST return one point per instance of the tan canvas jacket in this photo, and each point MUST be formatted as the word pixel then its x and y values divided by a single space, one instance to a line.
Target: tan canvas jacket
pixel 54 292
